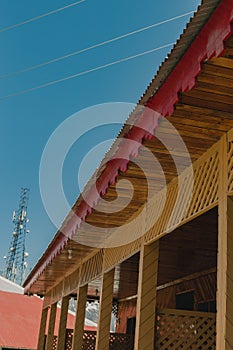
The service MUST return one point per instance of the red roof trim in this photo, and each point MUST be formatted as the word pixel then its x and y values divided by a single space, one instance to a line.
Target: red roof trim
pixel 208 43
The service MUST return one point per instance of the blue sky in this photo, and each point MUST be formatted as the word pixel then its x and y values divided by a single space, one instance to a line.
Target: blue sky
pixel 27 120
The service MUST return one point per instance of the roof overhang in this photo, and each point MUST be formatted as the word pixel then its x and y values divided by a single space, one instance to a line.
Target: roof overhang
pixel 196 52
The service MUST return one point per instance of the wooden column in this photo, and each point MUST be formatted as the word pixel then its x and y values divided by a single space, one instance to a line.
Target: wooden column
pixel 146 302
pixel 103 332
pixel 43 321
pixel 52 319
pixel 80 318
pixel 62 324
pixel 224 337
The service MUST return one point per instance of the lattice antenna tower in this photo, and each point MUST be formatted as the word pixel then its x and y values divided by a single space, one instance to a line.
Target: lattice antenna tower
pixel 15 260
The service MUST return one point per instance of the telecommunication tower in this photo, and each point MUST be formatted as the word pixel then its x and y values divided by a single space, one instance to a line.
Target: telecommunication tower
pixel 15 260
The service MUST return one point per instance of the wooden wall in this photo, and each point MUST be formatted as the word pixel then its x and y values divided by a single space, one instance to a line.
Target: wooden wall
pixel 204 287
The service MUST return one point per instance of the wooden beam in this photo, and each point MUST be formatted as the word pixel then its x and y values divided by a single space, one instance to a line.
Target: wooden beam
pixel 102 341
pixel 146 302
pixel 175 282
pixel 52 319
pixel 43 322
pixel 187 278
pixel 62 324
pixel 224 337
pixel 224 277
pixel 80 318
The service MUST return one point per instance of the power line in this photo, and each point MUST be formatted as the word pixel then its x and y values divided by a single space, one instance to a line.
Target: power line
pixel 75 53
pixel 53 82
pixel 41 16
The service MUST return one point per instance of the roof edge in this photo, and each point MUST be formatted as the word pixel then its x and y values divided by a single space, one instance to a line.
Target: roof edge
pixel 208 42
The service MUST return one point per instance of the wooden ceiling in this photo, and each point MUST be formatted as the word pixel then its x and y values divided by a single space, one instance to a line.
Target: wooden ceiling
pixel 201 117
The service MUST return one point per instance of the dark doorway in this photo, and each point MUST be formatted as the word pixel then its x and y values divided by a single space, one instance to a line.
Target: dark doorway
pixel 185 301
pixel 131 323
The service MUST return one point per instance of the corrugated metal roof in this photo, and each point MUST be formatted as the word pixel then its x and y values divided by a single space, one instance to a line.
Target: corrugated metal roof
pixel 9 286
pixel 192 30
pixel 20 320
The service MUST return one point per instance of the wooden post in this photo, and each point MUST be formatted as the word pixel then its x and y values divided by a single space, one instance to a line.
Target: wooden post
pixel 80 318
pixel 52 319
pixel 146 302
pixel 43 321
pixel 103 332
pixel 224 337
pixel 62 324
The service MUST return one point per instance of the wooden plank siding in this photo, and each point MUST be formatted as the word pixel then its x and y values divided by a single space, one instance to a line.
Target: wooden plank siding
pixel 146 302
pixel 51 327
pixel 43 322
pixel 225 261
pixel 62 323
pixel 102 341
pixel 80 318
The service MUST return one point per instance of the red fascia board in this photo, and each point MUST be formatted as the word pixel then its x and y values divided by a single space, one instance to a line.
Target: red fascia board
pixel 208 43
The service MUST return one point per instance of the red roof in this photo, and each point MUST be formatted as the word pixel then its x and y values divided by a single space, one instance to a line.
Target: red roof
pixel 20 320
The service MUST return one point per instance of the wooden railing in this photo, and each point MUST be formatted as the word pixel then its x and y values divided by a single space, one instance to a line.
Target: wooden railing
pixel 175 329
pixel 187 330
pixel 117 341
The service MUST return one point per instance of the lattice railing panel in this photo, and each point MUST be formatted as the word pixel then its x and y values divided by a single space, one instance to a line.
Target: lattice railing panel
pixel 120 341
pixel 205 191
pixel 116 255
pixel 171 207
pixel 187 330
pixel 92 268
pixel 89 340
pixel 54 295
pixel 203 176
pixel 117 341
pixel 69 337
pixel 55 343
pixel 230 162
pixel 71 282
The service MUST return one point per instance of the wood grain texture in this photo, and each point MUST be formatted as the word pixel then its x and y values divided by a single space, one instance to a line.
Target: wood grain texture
pixel 80 318
pixel 102 341
pixel 62 323
pixel 225 262
pixel 43 322
pixel 50 335
pixel 146 302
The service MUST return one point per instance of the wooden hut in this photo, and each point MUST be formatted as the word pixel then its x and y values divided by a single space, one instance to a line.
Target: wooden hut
pixel 169 275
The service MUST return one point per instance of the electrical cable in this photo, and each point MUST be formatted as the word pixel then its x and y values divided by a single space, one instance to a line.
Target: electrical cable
pixel 40 16
pixel 53 82
pixel 75 53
